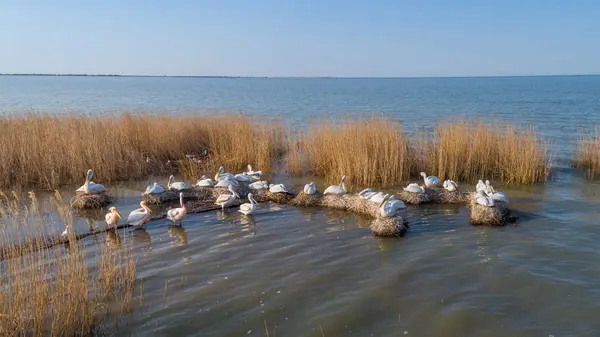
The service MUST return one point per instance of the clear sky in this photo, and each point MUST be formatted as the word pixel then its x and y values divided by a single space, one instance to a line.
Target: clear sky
pixel 346 38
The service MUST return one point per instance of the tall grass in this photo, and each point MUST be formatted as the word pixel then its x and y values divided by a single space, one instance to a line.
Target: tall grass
pixel 54 292
pixel 587 153
pixel 47 151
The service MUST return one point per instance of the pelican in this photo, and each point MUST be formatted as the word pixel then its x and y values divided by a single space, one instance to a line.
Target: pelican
pixel 224 200
pixel 253 173
pixel 491 192
pixel 243 178
pixel 155 188
pixel 414 188
pixel 222 175
pixel 279 188
pixel 480 187
pixel 177 214
pixel 248 208
pixel 89 187
pixel 390 206
pixel 140 216
pixel 176 185
pixel 366 193
pixel 310 188
pixel 204 182
pixel 112 218
pixel 65 233
pixel 259 185
pixel 377 197
pixel 337 189
pixel 450 185
pixel 484 200
pixel 226 183
pixel 430 181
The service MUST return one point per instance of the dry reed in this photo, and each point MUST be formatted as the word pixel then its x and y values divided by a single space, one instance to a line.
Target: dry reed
pixel 392 226
pixel 587 155
pixel 55 292
pixel 413 198
pixel 47 151
pixel 89 201
pixel 488 216
pixel 305 200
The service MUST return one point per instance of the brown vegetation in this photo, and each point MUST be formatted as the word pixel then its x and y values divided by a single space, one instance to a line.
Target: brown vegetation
pixel 587 155
pixel 488 216
pixel 89 201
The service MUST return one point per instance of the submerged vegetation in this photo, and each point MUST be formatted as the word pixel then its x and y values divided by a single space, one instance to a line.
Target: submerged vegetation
pixel 56 292
pixel 47 151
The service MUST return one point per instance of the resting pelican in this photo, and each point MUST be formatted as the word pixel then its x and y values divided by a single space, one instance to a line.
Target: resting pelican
pixel 480 187
pixel 140 216
pixel 430 181
pixel 226 183
pixel 112 218
pixel 337 189
pixel 279 188
pixel 366 193
pixel 253 173
pixel 388 207
pixel 243 178
pixel 310 188
pixel 450 185
pixel 155 188
pixel 222 175
pixel 484 200
pixel 177 214
pixel 259 185
pixel 414 188
pixel 377 197
pixel 224 200
pixel 204 182
pixel 496 196
pixel 89 186
pixel 248 208
pixel 176 185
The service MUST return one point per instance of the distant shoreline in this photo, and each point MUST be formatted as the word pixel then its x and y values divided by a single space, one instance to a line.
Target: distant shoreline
pixel 291 77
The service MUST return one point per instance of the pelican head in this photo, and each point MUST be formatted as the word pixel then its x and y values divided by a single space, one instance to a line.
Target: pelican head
pixel 90 174
pixel 113 210
pixel 203 177
pixel 221 169
pixel 423 174
pixel 230 188
pixel 249 168
pixel 171 180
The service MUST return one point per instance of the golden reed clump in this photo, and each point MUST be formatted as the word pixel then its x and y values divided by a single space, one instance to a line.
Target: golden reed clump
pixel 47 151
pixel 587 154
pixel 55 291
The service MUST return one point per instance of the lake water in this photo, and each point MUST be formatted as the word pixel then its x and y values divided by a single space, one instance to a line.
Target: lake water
pixel 317 272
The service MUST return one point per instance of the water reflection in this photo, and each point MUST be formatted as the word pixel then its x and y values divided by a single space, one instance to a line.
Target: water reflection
pixel 248 223
pixel 113 239
pixel 335 216
pixel 178 232
pixel 308 212
pixel 482 245
pixel 142 239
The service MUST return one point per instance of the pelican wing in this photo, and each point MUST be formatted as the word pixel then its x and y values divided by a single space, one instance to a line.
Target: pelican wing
pixel 173 213
pixel 223 198
pixel 334 190
pixel 246 207
pixel 136 216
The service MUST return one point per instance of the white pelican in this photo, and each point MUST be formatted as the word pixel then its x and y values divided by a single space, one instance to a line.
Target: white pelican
pixel 377 197
pixel 496 196
pixel 279 188
pixel 253 173
pixel 204 182
pixel 140 216
pixel 337 189
pixel 177 214
pixel 224 200
pixel 310 188
pixel 366 193
pixel 480 187
pixel 450 185
pixel 89 186
pixel 65 233
pixel 248 208
pixel 226 183
pixel 259 185
pixel 414 188
pixel 484 200
pixel 176 185
pixel 430 181
pixel 385 210
pixel 155 188
pixel 112 218
pixel 243 178
pixel 222 175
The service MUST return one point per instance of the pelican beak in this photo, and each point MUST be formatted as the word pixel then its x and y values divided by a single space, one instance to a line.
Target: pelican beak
pixel 118 214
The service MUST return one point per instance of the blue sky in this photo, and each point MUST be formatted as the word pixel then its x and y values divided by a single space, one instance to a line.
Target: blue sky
pixel 301 38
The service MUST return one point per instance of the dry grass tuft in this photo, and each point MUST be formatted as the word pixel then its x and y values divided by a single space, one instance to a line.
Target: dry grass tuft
pixel 392 226
pixel 340 202
pixel 441 196
pixel 305 200
pixel 362 206
pixel 413 198
pixel 55 292
pixel 587 155
pixel 90 201
pixel 468 150
pixel 488 216
pixel 47 151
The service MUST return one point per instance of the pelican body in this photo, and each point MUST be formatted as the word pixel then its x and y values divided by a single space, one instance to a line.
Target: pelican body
pixel 89 187
pixel 366 193
pixel 484 200
pixel 450 185
pixel 226 183
pixel 112 218
pixel 225 200
pixel 277 188
pixel 310 188
pixel 222 175
pixel 259 185
pixel 337 189
pixel 389 207
pixel 140 216
pixel 414 188
pixel 176 185
pixel 204 182
pixel 155 188
pixel 177 214
pixel 248 208
pixel 496 196
pixel 430 181
pixel 253 173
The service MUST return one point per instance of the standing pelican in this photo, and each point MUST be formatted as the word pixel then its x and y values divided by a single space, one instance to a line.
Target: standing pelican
pixel 277 188
pixel 414 188
pixel 176 185
pixel 337 189
pixel 140 216
pixel 224 200
pixel 310 189
pixel 112 218
pixel 155 188
pixel 430 181
pixel 89 187
pixel 248 208
pixel 491 192
pixel 204 182
pixel 177 214
pixel 450 185
pixel 65 233
pixel 259 185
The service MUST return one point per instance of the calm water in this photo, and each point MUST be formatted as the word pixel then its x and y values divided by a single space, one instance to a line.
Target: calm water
pixel 314 272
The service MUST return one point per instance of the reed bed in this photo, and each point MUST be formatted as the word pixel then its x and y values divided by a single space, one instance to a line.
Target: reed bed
pixel 388 227
pixel 56 292
pixel 90 201
pixel 587 155
pixel 488 216
pixel 47 151
pixel 413 198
